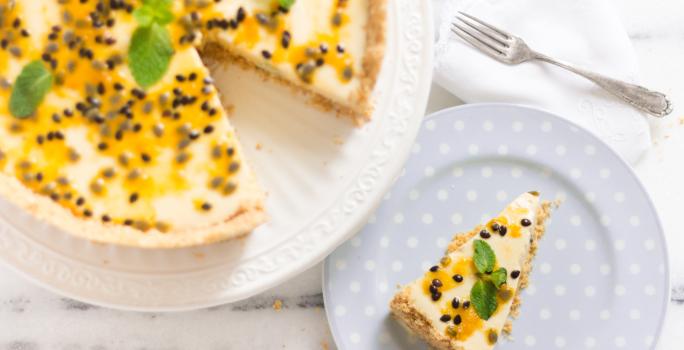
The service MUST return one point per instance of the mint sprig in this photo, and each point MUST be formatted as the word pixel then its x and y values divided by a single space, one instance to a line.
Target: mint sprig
pixel 483 293
pixel 150 51
pixel 30 88
pixel 149 54
pixel 154 11
pixel 286 4
pixel 499 277
pixel 483 298
pixel 484 257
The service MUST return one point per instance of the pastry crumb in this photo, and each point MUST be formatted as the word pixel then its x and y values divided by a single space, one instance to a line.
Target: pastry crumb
pixel 258 146
pixel 338 140
pixel 277 305
pixel 324 345
pixel 198 255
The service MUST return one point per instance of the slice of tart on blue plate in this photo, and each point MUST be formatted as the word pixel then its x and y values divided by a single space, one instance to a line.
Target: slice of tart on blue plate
pixel 468 299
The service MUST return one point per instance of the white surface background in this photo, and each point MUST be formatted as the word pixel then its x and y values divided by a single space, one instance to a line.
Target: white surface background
pixel 32 318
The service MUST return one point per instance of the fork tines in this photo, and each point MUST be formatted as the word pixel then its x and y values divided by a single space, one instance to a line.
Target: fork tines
pixel 480 34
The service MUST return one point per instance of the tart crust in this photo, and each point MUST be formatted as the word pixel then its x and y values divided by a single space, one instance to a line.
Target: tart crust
pixel 373 57
pixel 250 215
pixel 403 309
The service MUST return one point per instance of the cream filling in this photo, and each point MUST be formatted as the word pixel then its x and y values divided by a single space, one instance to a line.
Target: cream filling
pixel 306 21
pixel 511 253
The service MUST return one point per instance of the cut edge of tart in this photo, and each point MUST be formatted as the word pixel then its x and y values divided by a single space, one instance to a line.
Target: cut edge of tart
pixel 357 105
pixel 445 334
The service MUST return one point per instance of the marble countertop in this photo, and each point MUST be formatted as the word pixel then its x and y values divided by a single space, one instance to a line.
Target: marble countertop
pixel 32 318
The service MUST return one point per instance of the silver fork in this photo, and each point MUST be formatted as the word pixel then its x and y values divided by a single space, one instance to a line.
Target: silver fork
pixel 511 49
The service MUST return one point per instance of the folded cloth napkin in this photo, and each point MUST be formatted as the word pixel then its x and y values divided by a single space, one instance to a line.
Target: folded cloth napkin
pixel 586 33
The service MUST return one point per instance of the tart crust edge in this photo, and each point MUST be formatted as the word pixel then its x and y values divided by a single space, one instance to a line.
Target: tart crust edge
pixel 250 214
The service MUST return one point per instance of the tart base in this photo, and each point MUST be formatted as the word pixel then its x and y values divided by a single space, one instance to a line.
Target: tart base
pixel 403 310
pixel 250 215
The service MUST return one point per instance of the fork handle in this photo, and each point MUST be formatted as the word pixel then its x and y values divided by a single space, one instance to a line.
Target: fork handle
pixel 652 102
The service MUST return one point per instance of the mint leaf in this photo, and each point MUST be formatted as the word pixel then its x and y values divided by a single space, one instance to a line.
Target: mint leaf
pixel 149 54
pixel 483 299
pixel 499 276
pixel 144 15
pixel 150 50
pixel 154 11
pixel 286 4
pixel 484 257
pixel 31 86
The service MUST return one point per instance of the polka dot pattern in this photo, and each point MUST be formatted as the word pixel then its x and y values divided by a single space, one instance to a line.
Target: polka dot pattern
pixel 603 244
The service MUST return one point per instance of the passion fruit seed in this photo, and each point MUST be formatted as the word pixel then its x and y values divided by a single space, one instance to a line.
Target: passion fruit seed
pixel 457 319
pixel 445 261
pixel 505 294
pixel 455 303
pixel 437 283
pixel 229 188
pixel 436 296
pixel 503 230
pixel 216 182
pixel 492 336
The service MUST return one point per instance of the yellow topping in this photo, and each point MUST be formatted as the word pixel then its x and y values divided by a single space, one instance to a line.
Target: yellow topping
pixel 462 267
pixel 469 324
pixel 514 230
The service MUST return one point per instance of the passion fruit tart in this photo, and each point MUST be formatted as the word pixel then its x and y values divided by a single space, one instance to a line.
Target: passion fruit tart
pixel 112 129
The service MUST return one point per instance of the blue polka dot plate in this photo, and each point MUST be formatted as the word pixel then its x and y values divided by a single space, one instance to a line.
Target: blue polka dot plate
pixel 600 278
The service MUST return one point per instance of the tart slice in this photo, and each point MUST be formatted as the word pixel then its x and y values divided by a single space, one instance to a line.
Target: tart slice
pixel 331 50
pixel 469 298
pixel 128 142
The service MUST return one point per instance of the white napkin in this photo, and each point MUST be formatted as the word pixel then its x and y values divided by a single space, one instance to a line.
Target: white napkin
pixel 586 33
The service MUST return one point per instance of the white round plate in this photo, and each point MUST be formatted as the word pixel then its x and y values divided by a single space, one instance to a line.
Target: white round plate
pixel 324 176
pixel 600 278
